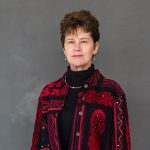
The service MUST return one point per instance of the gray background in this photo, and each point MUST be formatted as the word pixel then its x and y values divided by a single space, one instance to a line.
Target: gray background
pixel 31 56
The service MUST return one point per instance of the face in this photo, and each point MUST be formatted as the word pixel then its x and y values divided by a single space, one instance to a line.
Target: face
pixel 79 49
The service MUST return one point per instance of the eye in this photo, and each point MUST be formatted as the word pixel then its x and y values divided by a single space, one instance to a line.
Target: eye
pixel 70 42
pixel 83 41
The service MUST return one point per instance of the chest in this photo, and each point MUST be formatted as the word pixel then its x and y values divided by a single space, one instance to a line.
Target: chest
pixel 90 106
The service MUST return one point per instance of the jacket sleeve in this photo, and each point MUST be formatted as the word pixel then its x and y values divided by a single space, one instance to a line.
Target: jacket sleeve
pixel 37 125
pixel 120 135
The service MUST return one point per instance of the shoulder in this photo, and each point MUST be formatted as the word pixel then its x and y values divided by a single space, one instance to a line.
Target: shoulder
pixel 113 86
pixel 51 86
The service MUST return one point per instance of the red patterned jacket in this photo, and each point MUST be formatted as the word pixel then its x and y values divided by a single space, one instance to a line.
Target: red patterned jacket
pixel 100 118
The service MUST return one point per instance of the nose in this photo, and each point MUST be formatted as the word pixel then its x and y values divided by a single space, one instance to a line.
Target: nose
pixel 77 46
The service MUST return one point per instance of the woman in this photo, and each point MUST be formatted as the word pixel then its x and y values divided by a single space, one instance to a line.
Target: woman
pixel 83 110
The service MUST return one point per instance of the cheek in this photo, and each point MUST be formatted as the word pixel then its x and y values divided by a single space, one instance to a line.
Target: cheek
pixel 88 52
pixel 88 48
pixel 67 52
pixel 68 49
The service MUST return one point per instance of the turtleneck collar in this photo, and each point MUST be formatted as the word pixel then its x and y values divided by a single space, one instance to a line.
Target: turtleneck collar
pixel 77 78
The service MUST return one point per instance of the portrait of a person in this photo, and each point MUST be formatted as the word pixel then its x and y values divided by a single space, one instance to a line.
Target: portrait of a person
pixel 83 109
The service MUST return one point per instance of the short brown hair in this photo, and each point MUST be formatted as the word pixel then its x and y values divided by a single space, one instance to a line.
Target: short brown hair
pixel 79 19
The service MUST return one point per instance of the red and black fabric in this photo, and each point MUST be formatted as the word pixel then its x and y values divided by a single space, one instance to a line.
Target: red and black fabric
pixel 65 119
pixel 100 120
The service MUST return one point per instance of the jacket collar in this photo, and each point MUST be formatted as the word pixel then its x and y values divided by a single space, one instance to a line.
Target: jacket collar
pixel 93 80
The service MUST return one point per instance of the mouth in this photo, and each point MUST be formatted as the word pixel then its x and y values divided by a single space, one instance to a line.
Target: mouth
pixel 77 55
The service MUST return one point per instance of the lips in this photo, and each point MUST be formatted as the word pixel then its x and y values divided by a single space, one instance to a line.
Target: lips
pixel 77 55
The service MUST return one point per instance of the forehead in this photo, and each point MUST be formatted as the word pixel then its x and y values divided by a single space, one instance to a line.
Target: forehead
pixel 79 33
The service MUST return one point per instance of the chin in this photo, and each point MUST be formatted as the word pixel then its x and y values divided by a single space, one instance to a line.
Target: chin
pixel 78 64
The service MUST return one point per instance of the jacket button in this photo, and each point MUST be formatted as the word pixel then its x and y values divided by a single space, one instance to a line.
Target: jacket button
pixel 86 85
pixel 77 133
pixel 95 127
pixel 83 98
pixel 100 120
pixel 80 113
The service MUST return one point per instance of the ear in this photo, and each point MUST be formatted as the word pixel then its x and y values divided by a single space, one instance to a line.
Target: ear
pixel 96 47
pixel 64 51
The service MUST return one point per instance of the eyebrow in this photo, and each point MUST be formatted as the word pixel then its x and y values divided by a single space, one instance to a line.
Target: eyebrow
pixel 84 38
pixel 80 39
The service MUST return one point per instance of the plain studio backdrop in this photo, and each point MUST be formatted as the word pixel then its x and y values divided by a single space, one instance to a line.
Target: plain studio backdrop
pixel 31 56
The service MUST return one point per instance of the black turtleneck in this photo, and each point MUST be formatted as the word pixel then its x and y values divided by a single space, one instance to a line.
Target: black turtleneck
pixel 73 78
pixel 77 78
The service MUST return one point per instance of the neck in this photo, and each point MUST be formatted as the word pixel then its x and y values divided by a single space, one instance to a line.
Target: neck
pixel 79 68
